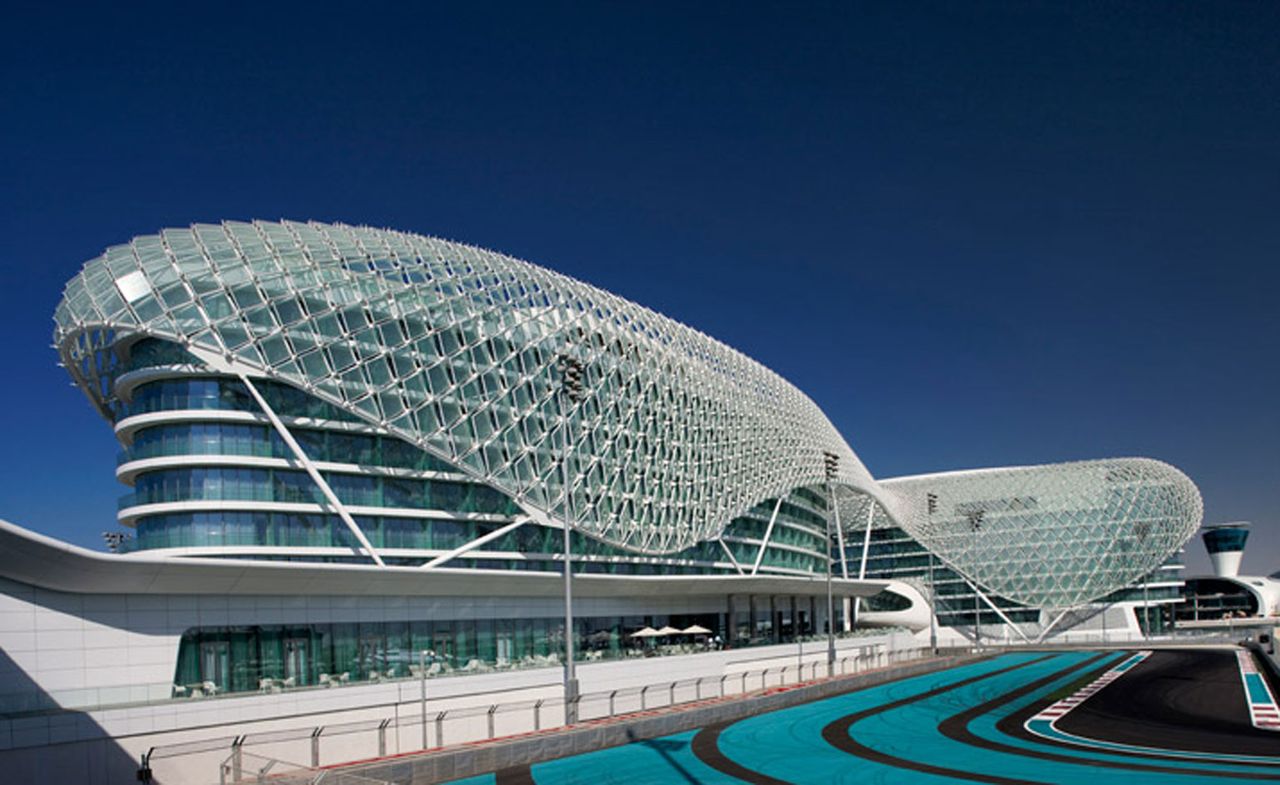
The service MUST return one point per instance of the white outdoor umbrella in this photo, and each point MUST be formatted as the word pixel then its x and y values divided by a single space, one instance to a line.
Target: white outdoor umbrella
pixel 696 630
pixel 668 631
pixel 647 632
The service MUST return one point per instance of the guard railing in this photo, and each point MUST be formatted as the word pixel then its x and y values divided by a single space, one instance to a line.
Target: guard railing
pixel 408 729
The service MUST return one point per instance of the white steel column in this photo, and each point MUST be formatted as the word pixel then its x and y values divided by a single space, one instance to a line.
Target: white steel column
pixel 311 470
pixel 476 543
pixel 1045 632
pixel 866 542
pixel 999 612
pixel 729 553
pixel 862 562
pixel 844 559
pixel 768 532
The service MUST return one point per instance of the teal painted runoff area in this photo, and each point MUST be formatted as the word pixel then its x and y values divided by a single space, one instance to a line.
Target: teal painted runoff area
pixel 665 761
pixel 788 745
pixel 1129 663
pixel 1258 692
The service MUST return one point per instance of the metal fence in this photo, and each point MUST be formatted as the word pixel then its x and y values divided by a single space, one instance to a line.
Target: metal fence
pixel 300 754
pixel 1187 637
pixel 256 768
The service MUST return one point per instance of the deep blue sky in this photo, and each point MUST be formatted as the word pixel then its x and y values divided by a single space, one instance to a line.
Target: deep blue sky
pixel 975 234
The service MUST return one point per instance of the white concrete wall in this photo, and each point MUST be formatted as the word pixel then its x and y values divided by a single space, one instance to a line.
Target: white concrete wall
pixel 103 746
pixel 109 662
pixel 87 649
pixel 93 650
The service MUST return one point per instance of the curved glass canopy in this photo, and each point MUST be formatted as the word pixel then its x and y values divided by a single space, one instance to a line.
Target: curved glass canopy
pixel 1054 536
pixel 456 349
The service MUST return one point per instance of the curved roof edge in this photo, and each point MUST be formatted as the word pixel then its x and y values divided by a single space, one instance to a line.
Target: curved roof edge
pixel 455 349
pixel 49 563
pixel 1053 535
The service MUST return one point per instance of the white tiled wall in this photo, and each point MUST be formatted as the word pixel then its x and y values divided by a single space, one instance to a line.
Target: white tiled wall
pixel 90 650
pixel 94 650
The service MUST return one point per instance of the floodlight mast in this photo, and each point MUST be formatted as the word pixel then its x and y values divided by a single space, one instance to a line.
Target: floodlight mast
pixel 831 465
pixel 933 597
pixel 572 393
pixel 115 541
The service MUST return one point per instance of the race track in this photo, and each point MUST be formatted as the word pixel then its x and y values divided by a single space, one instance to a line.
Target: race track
pixel 1189 700
pixel 1150 718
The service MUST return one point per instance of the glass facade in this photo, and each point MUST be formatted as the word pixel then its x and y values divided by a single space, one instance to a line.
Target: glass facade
pixel 454 349
pixel 277 529
pixel 260 441
pixel 1208 599
pixel 795 543
pixel 894 555
pixel 404 480
pixel 239 659
pixel 1223 539
pixel 1047 537
pixel 214 394
pixel 229 483
pixel 526 548
pixel 434 374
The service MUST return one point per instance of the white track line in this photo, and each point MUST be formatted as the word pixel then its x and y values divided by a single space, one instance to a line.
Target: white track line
pixel 1061 708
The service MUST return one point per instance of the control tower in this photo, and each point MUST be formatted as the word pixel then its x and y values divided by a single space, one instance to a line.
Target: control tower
pixel 1225 543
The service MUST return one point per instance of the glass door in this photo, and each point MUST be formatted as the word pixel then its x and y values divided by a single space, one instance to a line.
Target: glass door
pixel 442 643
pixel 373 657
pixel 215 663
pixel 296 662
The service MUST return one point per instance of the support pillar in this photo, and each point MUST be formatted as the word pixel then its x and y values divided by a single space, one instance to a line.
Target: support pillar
pixel 731 627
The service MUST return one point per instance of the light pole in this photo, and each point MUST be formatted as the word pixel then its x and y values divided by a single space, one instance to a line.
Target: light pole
pixel 975 524
pixel 933 611
pixel 932 500
pixel 977 618
pixel 1146 608
pixel 571 394
pixel 831 464
pixel 422 677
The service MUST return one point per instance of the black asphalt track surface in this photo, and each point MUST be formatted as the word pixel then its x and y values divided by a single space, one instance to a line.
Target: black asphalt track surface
pixel 957 728
pixel 1185 700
